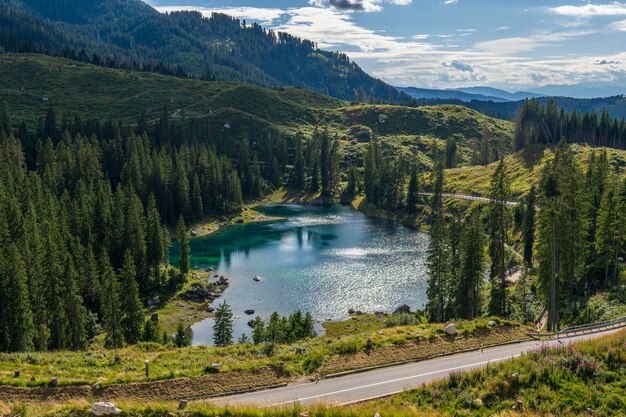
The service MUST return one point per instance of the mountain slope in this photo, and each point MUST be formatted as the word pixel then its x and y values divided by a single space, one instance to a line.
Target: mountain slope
pixel 93 92
pixel 425 93
pixel 131 34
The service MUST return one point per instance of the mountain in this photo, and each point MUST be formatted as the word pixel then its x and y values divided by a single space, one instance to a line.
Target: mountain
pixel 502 94
pixel 131 34
pixel 425 93
pixel 586 90
pixel 32 82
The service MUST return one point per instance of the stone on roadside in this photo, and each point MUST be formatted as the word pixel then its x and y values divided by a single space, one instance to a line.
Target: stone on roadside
pixel 104 409
pixel 450 329
pixel 491 323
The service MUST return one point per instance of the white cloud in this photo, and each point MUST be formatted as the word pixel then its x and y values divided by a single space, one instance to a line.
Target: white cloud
pixel 435 60
pixel 621 26
pixel 589 10
pixel 358 5
pixel 447 2
pixel 266 16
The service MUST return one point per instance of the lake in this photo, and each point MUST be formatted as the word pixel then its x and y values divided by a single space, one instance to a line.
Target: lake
pixel 321 259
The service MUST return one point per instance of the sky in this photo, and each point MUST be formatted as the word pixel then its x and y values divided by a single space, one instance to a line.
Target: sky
pixel 552 46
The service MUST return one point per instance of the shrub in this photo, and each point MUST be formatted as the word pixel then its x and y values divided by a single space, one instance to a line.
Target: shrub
pixel 210 369
pixel 346 346
pixel 402 319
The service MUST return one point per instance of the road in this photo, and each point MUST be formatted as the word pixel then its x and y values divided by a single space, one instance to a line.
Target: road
pixel 470 198
pixel 386 381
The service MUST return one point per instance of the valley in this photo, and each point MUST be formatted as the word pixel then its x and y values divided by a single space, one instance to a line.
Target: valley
pixel 202 216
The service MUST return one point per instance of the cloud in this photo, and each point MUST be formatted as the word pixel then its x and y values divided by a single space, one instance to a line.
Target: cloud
pixel 265 16
pixel 516 45
pixel 358 5
pixel 621 25
pixel 434 60
pixel 348 4
pixel 447 2
pixel 590 10
pixel 501 28
pixel 607 62
pixel 461 66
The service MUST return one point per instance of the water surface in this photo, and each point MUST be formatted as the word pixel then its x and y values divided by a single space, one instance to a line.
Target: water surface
pixel 322 259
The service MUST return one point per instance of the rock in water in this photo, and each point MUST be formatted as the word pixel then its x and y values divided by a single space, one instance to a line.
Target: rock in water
pixel 105 409
pixel 256 278
pixel 249 312
pixel 450 329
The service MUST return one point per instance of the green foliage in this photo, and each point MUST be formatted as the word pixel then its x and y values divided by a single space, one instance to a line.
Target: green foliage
pixel 223 326
pixel 403 319
pixel 182 336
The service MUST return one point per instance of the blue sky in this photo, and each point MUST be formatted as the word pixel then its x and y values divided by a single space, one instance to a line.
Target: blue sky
pixel 510 44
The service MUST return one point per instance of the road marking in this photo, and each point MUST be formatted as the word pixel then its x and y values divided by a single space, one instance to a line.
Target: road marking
pixel 393 380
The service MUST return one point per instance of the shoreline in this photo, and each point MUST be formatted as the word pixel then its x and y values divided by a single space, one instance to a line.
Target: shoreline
pixel 192 313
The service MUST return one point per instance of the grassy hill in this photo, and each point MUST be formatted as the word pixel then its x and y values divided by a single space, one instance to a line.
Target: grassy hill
pixel 523 169
pixel 101 93
pixel 586 378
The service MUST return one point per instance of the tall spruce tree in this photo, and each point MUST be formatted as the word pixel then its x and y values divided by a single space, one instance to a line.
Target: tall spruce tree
pixel 438 252
pixel 183 246
pixel 528 226
pixel 498 236
pixel 223 325
pixel 111 312
pixel 468 290
pixel 131 308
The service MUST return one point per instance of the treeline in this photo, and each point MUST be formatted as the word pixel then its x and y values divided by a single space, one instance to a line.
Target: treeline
pixel 131 34
pixel 569 233
pixel 85 205
pixel 548 124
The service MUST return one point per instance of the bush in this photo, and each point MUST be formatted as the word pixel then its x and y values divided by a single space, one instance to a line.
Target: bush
pixel 402 319
pixel 346 346
pixel 312 362
pixel 210 369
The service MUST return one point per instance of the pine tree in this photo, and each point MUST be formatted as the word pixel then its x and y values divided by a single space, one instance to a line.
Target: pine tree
pixel 472 269
pixel 131 308
pixel 258 330
pixel 498 235
pixel 111 313
pixel 16 304
pixel 154 237
pixel 438 253
pixel 528 226
pixel 223 326
pixel 75 311
pixel 183 246
pixel 299 176
pixel 608 227
pixel 181 338
pixel 413 192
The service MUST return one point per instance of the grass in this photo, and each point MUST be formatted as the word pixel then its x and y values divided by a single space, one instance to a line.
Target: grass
pixel 523 170
pixel 98 365
pixel 102 93
pixel 566 382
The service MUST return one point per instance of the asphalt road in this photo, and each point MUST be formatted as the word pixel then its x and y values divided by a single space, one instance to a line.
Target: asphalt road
pixel 386 381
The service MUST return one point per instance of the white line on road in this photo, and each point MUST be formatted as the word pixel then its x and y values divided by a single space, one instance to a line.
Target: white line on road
pixel 440 371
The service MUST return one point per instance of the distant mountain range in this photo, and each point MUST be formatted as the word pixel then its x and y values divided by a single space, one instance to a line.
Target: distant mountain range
pixel 131 34
pixel 468 94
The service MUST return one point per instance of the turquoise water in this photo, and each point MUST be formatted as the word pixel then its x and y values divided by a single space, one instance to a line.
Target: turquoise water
pixel 322 259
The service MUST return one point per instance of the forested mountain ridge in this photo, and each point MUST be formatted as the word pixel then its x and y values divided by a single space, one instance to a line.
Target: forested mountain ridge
pixel 32 83
pixel 131 34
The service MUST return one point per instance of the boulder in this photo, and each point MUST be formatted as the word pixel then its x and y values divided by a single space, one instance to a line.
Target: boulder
pixel 251 323
pixel 239 220
pixel 450 329
pixel 256 278
pixel 194 233
pixel 153 302
pixel 210 309
pixel 104 409
pixel 377 415
pixel 351 311
pixel 249 312
pixel 403 309
pixel 182 404
pixel 491 323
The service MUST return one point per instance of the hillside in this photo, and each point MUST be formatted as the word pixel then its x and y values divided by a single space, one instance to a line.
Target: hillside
pixel 523 169
pixel 131 34
pixel 94 92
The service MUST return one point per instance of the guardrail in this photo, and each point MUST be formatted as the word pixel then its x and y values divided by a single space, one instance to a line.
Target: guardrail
pixel 582 329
